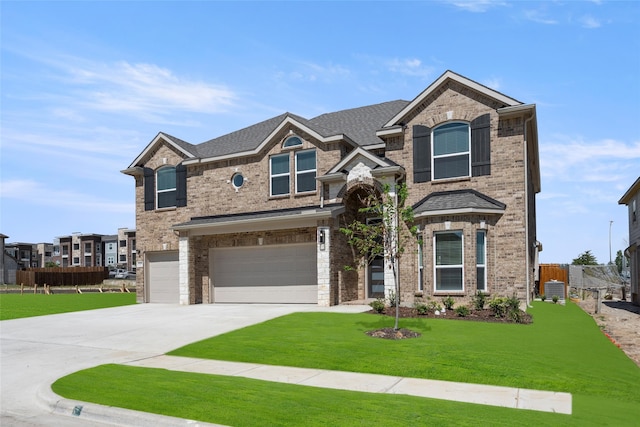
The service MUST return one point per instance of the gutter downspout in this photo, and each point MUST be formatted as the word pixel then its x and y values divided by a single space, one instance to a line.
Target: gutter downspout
pixel 526 207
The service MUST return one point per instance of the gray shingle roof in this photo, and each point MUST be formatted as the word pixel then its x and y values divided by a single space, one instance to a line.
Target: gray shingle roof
pixel 359 124
pixel 457 200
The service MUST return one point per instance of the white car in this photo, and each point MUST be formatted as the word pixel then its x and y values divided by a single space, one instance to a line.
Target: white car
pixel 125 275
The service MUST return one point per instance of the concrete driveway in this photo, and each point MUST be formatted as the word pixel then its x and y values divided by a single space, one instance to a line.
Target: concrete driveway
pixel 37 351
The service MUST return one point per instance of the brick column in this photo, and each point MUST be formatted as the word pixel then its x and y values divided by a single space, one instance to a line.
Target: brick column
pixel 183 262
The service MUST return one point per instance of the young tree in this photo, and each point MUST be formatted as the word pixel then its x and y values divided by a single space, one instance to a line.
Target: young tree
pixel 585 258
pixel 619 261
pixel 386 237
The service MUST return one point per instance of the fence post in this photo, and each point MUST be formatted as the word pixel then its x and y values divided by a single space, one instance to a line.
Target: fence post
pixel 21 288
pixel 35 287
pixel 599 301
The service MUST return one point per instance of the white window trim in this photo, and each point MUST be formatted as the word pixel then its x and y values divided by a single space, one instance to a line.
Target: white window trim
pixel 314 170
pixel 289 147
pixel 436 267
pixel 484 266
pixel 442 156
pixel 165 190
pixel 271 175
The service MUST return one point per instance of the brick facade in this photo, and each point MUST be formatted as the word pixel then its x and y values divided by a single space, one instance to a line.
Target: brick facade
pixel 510 234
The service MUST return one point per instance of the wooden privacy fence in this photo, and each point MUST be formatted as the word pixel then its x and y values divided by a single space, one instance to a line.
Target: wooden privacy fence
pixel 62 276
pixel 550 272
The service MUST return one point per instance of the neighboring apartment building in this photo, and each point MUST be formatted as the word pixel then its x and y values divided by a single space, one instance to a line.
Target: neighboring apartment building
pixel 632 199
pixel 44 254
pixel 80 250
pixel 24 253
pixel 127 249
pixel 254 215
pixel 110 247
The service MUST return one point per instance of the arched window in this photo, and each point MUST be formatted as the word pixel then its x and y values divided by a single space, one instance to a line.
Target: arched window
pixel 292 141
pixel 451 151
pixel 166 187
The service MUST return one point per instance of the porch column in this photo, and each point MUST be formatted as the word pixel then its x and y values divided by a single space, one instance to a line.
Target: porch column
pixel 323 266
pixel 183 267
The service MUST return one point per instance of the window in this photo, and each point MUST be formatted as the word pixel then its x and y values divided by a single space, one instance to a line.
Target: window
pixel 111 260
pixel 451 154
pixel 123 258
pixel 237 180
pixel 87 247
pixel 65 250
pixel 123 243
pixel 305 171
pixel 76 246
pixel 110 247
pixel 481 260
pixel 633 210
pixel 279 166
pixel 448 266
pixel 87 261
pixel 76 260
pixel 166 187
pixel 133 244
pixel 292 141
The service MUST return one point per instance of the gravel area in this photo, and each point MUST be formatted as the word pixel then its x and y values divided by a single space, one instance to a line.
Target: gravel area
pixel 621 321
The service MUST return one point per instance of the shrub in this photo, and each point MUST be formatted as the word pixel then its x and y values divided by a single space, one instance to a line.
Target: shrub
pixel 543 297
pixel 421 308
pixel 499 306
pixel 377 305
pixel 555 299
pixel 462 310
pixel 392 298
pixel 434 306
pixel 479 300
pixel 448 303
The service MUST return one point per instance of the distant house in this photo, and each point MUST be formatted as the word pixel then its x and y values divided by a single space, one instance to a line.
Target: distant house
pixel 254 216
pixel 80 249
pixel 126 249
pixel 632 199
pixel 110 245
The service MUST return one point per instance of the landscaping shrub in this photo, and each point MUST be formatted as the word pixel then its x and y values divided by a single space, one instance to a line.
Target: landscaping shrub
pixel 462 311
pixel 421 308
pixel 555 299
pixel 543 297
pixel 479 300
pixel 499 306
pixel 377 305
pixel 448 303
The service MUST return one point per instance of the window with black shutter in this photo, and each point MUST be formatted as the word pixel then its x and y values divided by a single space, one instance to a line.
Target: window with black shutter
pixel 481 145
pixel 421 153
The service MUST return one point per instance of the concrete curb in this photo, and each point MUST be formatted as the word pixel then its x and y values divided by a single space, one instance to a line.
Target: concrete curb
pixel 109 415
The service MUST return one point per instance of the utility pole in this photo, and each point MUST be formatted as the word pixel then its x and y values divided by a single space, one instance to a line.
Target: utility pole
pixel 610 260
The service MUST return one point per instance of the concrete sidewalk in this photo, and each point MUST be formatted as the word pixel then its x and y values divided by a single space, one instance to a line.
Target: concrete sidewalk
pixel 516 398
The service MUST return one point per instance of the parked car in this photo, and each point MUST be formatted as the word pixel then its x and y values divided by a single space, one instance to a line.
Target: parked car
pixel 116 272
pixel 125 275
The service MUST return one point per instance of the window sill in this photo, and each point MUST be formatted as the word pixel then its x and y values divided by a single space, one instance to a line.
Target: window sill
pixel 449 180
pixel 447 293
pixel 167 209
pixel 307 193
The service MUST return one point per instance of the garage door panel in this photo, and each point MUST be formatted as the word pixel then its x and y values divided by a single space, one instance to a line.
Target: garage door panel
pixel 163 277
pixel 275 274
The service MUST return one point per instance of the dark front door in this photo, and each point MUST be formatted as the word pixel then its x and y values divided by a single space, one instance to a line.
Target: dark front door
pixel 375 278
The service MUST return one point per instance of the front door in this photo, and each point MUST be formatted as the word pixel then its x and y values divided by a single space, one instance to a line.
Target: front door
pixel 375 278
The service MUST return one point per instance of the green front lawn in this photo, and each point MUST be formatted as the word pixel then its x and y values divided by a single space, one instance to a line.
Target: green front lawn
pixel 563 350
pixel 15 306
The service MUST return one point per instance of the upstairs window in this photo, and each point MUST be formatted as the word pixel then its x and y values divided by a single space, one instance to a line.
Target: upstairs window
pixel 166 187
pixel 452 150
pixel 292 141
pixel 305 171
pixel 451 153
pixel 280 174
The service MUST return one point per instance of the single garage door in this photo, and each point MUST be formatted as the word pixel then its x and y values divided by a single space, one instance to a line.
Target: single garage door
pixel 265 274
pixel 162 277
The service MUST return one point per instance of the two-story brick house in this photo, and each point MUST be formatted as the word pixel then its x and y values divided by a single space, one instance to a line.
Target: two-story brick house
pixel 254 216
pixel 632 199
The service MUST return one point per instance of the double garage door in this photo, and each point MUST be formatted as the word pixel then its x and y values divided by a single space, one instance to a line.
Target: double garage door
pixel 264 274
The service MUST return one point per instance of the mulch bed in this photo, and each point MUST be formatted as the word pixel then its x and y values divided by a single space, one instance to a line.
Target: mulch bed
pixel 485 315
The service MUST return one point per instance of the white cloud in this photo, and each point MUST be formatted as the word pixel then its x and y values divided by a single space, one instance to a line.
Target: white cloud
pixel 409 67
pixel 34 192
pixel 494 83
pixel 590 22
pixel 537 16
pixel 477 6
pixel 312 72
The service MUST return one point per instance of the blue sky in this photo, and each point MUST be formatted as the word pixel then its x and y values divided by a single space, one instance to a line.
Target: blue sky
pixel 85 86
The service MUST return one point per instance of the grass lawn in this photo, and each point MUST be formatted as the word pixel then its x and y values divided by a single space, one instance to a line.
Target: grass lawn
pixel 563 350
pixel 15 306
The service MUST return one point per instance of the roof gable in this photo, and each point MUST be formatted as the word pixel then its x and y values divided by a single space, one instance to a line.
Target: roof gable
pixel 189 150
pixel 447 76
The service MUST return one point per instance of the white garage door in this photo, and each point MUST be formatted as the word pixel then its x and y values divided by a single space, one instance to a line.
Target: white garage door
pixel 162 277
pixel 265 274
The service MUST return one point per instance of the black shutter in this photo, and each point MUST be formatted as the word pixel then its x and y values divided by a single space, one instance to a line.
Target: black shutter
pixel 421 153
pixel 481 145
pixel 149 189
pixel 181 185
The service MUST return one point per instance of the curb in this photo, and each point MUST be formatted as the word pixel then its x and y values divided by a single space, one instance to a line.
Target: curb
pixel 92 412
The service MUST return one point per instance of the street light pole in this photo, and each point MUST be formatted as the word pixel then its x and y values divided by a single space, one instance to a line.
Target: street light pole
pixel 610 223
